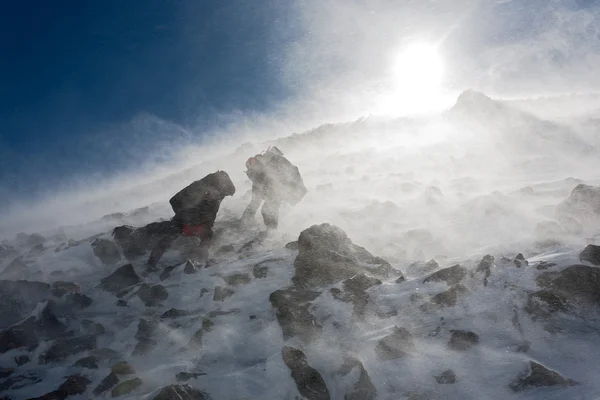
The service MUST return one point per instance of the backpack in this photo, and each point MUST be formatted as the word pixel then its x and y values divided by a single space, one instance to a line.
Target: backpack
pixel 191 196
pixel 281 175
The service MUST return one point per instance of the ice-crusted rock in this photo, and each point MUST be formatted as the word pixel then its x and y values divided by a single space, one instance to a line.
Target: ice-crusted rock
pixel 222 293
pixel 126 387
pixel 65 347
pixel 16 270
pixel 292 312
pixel 395 345
pixel 446 378
pixel 60 288
pixel 106 251
pixel 363 388
pixel 583 203
pixel 133 242
pixel 181 392
pixel 19 298
pixel 462 340
pixel 577 284
pixel 42 324
pixel 326 256
pixel 152 295
pixel 18 381
pixel 106 384
pixel 451 275
pixel 485 267
pixel 538 376
pixel 355 292
pixel 124 277
pixel 590 254
pixel 308 380
pixel 74 385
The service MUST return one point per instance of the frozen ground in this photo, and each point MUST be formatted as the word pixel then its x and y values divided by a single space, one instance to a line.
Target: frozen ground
pixel 482 178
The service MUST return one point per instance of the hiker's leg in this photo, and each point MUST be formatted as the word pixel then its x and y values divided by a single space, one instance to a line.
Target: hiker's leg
pixel 159 249
pixel 205 241
pixel 252 208
pixel 270 213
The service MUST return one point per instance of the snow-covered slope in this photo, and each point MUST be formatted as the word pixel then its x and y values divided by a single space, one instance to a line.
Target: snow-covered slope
pixel 481 291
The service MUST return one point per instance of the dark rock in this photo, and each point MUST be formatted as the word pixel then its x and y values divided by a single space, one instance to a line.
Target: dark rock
pixel 42 326
pixel 225 249
pixel 291 305
pixel 583 203
pixel 54 395
pixel 134 243
pixel 222 293
pixel 309 382
pixel 186 376
pixel 577 283
pixel 122 368
pixel 20 381
pixel 544 265
pixel 543 303
pixel 540 376
pixel 63 348
pixel 166 273
pixel 485 267
pixel 152 295
pixel 5 372
pixel 121 303
pixel 260 271
pixel 74 385
pixel 363 389
pixel 196 340
pixel 326 256
pixel 462 340
pixel 396 345
pixel 106 251
pixel 237 279
pixel 144 346
pixel 189 268
pixel 78 301
pixel 124 277
pixel 7 252
pixel 22 360
pixel 16 270
pixel 175 313
pixel 355 292
pixel 293 246
pixel 106 354
pixel 207 324
pixel 35 239
pixel 107 383
pixel 87 362
pixel 19 298
pixel 60 288
pixel 181 392
pixel 126 387
pixel 452 275
pixel 448 298
pixel 146 329
pixel 446 378
pixel 36 250
pixel 591 254
pixel 21 239
pixel 520 261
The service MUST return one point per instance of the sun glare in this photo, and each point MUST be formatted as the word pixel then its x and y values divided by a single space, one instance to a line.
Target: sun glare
pixel 418 68
pixel 417 72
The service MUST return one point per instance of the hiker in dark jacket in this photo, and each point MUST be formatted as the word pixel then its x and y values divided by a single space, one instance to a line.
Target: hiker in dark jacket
pixel 274 179
pixel 196 208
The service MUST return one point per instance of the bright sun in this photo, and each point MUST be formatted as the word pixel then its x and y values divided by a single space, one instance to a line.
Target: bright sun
pixel 418 68
pixel 417 72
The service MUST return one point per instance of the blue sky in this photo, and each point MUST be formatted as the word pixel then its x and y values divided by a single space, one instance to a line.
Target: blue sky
pixel 93 88
pixel 74 73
